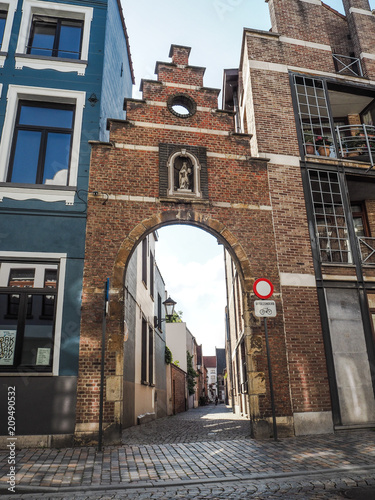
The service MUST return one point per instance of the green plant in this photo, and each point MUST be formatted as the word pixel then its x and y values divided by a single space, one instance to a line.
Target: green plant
pixel 168 356
pixel 176 318
pixel 356 141
pixel 308 137
pixel 322 141
pixel 191 374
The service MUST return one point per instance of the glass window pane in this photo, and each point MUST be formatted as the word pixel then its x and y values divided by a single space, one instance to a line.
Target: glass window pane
pixel 21 278
pixel 358 226
pixel 371 300
pixel 57 159
pixel 3 17
pixel 38 336
pixel 25 162
pixel 43 38
pixel 46 117
pixel 70 40
pixel 8 332
pixel 50 278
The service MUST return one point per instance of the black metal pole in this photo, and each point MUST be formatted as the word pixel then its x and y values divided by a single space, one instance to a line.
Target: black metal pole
pixel 101 401
pixel 271 383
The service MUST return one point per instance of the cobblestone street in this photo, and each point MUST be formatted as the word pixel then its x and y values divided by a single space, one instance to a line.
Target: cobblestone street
pixel 203 453
pixel 205 423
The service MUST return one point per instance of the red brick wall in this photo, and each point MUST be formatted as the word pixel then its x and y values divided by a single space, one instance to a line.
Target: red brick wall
pixel 178 392
pixel 238 189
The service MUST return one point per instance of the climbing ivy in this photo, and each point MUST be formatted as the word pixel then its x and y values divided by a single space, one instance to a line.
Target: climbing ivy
pixel 191 373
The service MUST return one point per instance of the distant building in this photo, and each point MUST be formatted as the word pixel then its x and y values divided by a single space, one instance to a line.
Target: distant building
pixel 144 354
pixel 220 372
pixel 181 341
pixel 210 364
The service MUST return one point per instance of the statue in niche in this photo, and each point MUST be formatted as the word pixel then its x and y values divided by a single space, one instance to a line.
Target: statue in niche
pixel 183 174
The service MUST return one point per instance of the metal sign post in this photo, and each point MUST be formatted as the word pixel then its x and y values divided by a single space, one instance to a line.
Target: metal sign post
pixel 263 289
pixel 271 382
pixel 101 401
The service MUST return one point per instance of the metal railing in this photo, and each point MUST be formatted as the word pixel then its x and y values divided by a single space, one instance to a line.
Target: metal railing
pixel 357 142
pixel 347 65
pixel 367 249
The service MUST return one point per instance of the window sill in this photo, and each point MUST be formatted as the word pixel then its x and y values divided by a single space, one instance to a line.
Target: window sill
pixel 56 63
pixel 338 264
pixel 22 192
pixel 3 56
pixel 26 374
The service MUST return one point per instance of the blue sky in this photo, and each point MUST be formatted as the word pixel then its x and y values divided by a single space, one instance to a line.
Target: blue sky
pixel 212 28
pixel 190 260
pixel 192 264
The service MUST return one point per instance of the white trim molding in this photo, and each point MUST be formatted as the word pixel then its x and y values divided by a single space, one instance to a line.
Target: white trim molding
pixel 275 159
pixel 366 55
pixel 15 93
pixel 303 43
pixel 315 2
pixel 355 10
pixel 67 11
pixel 10 6
pixel 297 280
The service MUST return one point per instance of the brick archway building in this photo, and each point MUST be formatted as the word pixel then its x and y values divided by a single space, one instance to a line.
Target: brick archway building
pixel 136 186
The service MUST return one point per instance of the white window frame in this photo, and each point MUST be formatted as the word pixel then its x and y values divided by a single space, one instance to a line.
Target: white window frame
pixel 24 259
pixel 39 191
pixel 77 12
pixel 11 7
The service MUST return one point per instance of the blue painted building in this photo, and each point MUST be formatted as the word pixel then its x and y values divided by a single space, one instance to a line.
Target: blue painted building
pixel 65 67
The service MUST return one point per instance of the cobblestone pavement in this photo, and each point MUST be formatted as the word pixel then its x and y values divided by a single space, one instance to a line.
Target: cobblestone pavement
pixel 205 423
pixel 203 453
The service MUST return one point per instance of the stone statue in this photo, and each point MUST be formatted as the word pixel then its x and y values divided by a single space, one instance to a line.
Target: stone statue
pixel 184 173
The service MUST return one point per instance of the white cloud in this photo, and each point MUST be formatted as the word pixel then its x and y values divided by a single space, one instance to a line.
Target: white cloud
pixel 196 283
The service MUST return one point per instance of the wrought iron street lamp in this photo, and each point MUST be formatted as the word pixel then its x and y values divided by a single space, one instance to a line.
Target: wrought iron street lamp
pixel 169 308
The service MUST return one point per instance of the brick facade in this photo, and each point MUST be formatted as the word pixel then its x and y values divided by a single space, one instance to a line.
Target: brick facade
pixel 252 191
pixel 306 39
pixel 125 203
pixel 178 389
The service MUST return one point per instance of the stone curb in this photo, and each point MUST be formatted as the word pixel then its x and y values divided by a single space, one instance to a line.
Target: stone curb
pixel 190 482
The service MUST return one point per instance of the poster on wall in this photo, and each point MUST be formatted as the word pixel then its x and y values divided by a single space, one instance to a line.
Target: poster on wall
pixel 43 356
pixel 7 347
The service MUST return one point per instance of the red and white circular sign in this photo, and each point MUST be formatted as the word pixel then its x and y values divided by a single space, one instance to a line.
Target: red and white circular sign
pixel 263 288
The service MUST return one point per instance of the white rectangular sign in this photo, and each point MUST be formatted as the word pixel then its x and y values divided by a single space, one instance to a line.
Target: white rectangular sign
pixel 7 346
pixel 265 308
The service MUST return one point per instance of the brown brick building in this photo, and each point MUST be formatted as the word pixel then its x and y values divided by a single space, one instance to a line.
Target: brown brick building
pixel 305 92
pixel 282 177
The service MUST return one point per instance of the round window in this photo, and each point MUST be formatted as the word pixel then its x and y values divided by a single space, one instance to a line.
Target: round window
pixel 181 105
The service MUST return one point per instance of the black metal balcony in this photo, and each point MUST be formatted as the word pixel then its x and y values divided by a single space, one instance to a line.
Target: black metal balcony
pixel 367 249
pixel 347 65
pixel 357 142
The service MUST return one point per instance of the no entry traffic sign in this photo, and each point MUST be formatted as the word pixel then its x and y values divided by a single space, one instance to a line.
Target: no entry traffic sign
pixel 263 288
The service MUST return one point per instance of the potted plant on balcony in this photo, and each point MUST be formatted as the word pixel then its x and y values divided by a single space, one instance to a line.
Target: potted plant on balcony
pixel 355 145
pixel 309 143
pixel 323 144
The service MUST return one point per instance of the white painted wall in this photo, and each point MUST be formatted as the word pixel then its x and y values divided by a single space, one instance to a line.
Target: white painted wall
pixel 176 341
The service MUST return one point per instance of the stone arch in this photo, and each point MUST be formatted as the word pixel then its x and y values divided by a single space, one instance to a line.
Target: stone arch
pixel 217 229
pixel 181 216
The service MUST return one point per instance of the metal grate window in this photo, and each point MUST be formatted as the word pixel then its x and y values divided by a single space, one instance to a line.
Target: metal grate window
pixel 330 221
pixel 314 116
